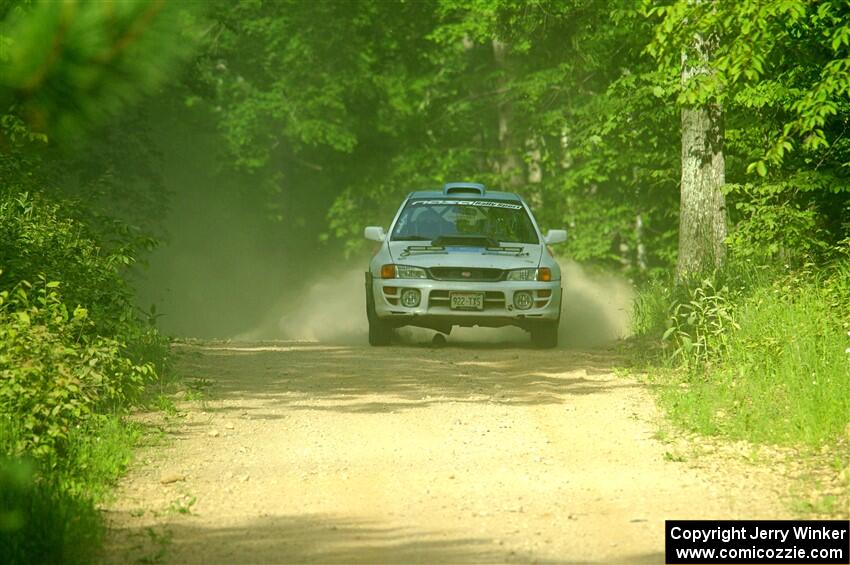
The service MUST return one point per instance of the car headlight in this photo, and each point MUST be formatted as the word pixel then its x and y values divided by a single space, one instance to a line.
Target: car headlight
pixel 542 274
pixel 403 272
pixel 522 275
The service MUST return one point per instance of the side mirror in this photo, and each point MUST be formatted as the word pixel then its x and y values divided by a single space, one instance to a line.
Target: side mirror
pixel 555 236
pixel 375 233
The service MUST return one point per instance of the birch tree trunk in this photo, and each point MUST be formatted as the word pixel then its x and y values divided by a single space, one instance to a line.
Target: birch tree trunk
pixel 702 210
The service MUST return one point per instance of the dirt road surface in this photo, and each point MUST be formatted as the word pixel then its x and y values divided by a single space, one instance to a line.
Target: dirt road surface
pixel 472 452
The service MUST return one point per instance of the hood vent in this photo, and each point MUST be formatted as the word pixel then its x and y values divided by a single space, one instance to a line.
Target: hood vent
pixel 452 188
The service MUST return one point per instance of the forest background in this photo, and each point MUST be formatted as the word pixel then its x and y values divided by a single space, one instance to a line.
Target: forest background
pixel 698 148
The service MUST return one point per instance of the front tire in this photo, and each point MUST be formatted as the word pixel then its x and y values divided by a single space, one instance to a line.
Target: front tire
pixel 380 333
pixel 545 335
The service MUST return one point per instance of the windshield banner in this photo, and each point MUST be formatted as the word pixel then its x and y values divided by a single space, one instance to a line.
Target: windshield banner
pixel 479 203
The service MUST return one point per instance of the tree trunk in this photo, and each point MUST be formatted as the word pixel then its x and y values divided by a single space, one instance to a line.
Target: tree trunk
pixel 534 158
pixel 534 166
pixel 510 164
pixel 702 210
pixel 640 246
pixel 481 139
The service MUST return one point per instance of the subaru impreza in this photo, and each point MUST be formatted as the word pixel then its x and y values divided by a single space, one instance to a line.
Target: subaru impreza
pixel 463 256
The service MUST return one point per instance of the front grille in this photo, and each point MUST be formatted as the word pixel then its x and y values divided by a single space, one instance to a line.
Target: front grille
pixel 466 274
pixel 493 300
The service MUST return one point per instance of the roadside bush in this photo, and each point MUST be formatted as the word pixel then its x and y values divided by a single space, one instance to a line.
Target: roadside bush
pixel 788 221
pixel 74 354
pixel 54 374
pixel 770 364
pixel 37 240
pixel 700 325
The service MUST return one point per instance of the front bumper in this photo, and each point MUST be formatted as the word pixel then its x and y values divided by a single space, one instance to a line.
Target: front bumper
pixel 434 309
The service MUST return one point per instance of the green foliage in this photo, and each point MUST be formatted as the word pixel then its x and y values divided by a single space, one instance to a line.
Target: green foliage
pixel 36 239
pixel 54 375
pixel 779 69
pixel 98 454
pixel 75 215
pixel 63 377
pixel 700 326
pixel 69 65
pixel 774 229
pixel 586 97
pixel 769 364
pixel 385 97
pixel 38 242
pixel 651 308
pixel 73 353
pixel 793 220
pixel 51 517
pixel 41 522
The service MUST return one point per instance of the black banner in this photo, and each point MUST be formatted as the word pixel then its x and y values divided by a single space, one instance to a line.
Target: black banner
pixel 816 542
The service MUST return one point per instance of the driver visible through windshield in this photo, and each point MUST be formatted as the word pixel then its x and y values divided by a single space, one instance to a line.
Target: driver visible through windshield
pixel 497 220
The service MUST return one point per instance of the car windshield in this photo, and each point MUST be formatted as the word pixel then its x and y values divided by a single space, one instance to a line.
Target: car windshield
pixel 496 220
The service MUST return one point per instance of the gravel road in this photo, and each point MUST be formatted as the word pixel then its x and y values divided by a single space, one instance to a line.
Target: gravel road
pixel 473 452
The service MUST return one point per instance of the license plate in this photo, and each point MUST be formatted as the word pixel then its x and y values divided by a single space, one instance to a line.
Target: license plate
pixel 467 300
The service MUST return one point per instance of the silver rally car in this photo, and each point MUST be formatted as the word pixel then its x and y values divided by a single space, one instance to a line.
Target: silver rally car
pixel 463 256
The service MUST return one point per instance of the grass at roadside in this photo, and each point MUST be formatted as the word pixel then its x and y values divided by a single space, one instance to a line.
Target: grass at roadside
pixel 765 360
pixel 48 510
pixel 783 377
pixel 770 364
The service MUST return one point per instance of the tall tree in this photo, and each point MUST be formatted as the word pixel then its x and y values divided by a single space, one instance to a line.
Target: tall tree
pixel 779 70
pixel 702 206
pixel 510 165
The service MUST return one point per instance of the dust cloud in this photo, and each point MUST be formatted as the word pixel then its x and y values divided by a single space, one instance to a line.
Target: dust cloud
pixel 596 306
pixel 333 309
pixel 596 309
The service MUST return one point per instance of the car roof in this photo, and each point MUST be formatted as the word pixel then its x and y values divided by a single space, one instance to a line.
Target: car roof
pixel 489 195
